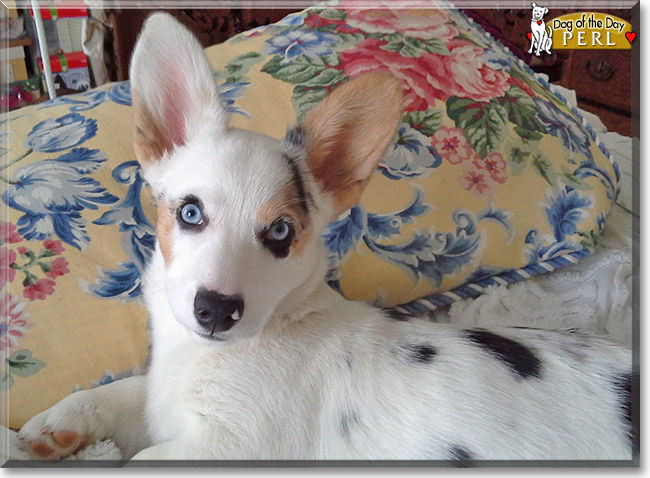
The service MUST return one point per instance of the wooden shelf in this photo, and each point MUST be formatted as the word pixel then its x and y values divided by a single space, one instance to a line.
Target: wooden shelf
pixel 24 41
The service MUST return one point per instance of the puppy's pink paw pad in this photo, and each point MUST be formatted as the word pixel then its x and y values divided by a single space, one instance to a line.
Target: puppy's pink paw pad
pixel 58 444
pixel 42 449
pixel 65 439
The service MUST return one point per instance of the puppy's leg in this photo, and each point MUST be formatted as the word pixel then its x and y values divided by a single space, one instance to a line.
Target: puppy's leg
pixel 532 42
pixel 114 411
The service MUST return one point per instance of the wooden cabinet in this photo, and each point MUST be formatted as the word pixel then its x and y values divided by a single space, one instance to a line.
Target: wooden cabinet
pixel 603 83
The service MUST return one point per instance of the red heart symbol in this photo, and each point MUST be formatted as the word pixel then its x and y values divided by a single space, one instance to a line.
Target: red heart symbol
pixel 539 22
pixel 530 36
pixel 630 36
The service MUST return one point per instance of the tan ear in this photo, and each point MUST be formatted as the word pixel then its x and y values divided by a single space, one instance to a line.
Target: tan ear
pixel 173 90
pixel 348 132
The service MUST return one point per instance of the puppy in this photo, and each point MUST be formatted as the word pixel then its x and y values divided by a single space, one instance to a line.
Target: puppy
pixel 255 357
pixel 540 36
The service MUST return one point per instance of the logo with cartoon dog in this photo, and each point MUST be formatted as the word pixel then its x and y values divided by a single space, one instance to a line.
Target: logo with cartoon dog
pixel 540 35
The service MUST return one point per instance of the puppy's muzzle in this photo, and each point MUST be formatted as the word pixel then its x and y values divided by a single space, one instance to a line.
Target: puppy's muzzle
pixel 217 312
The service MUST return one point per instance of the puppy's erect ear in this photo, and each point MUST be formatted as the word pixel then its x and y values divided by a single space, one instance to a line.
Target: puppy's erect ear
pixel 348 132
pixel 545 10
pixel 173 91
pixel 534 5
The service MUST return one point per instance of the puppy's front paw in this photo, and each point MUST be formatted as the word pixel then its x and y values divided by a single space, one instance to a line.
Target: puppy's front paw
pixel 62 430
pixel 52 445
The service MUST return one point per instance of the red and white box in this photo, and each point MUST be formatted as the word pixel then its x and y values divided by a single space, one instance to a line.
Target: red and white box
pixel 69 70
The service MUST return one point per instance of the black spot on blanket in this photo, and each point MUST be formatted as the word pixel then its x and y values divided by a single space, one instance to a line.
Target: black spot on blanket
pixel 519 358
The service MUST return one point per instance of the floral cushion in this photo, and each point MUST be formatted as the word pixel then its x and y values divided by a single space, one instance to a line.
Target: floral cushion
pixel 491 178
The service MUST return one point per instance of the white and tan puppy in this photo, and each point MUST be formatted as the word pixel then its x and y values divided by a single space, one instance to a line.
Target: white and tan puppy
pixel 255 357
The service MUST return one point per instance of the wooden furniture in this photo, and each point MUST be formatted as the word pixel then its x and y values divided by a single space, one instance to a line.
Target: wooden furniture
pixel 603 82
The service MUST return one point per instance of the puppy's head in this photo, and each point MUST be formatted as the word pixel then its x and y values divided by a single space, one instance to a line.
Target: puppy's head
pixel 240 215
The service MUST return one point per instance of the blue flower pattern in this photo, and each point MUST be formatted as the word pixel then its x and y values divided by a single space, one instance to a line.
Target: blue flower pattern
pixel 292 44
pixel 119 93
pixel 410 156
pixel 428 254
pixel 138 239
pixel 52 194
pixel 565 208
pixel 229 92
pixel 564 126
pixel 589 168
pixel 58 134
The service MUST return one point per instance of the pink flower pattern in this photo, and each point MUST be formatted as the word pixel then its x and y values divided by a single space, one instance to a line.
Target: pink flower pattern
pixel 425 79
pixel 7 259
pixel 429 76
pixel 482 175
pixel 495 166
pixel 39 290
pixel 452 145
pixel 474 79
pixel 12 321
pixel 31 264
pixel 477 181
pixel 8 233
pixel 59 268
pixel 55 246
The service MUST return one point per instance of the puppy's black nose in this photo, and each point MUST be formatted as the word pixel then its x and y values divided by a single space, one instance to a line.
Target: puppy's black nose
pixel 217 312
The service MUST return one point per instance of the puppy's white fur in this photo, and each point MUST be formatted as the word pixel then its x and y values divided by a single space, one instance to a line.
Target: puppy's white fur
pixel 305 374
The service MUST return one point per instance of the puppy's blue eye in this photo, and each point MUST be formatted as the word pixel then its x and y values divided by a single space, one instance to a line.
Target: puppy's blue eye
pixel 279 237
pixel 191 214
pixel 279 231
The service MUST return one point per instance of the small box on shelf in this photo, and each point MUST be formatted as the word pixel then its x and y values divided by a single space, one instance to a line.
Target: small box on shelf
pixel 69 70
